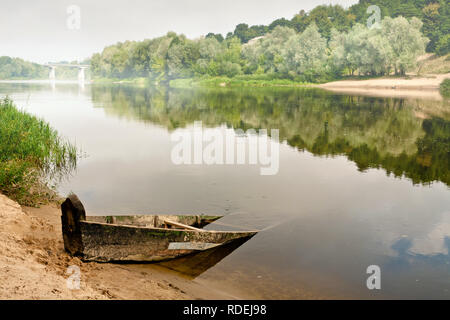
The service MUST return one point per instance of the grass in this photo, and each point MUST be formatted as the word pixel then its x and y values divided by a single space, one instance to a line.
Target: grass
pixel 132 81
pixel 445 88
pixel 434 65
pixel 237 81
pixel 31 152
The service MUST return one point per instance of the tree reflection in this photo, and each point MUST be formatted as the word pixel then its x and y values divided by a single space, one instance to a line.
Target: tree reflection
pixel 372 132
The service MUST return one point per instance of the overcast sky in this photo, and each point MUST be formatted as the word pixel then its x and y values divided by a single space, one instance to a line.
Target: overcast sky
pixel 37 30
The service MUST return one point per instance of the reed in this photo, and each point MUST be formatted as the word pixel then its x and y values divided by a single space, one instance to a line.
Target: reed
pixel 31 155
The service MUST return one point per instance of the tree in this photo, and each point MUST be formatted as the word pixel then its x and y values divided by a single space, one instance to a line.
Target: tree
pixel 431 19
pixel 96 64
pixel 443 47
pixel 241 31
pixel 140 57
pixel 267 52
pixel 216 36
pixel 362 49
pixel 324 42
pixel 282 22
pixel 406 40
pixel 377 51
pixel 326 18
pixel 305 53
pixel 209 49
pixel 12 68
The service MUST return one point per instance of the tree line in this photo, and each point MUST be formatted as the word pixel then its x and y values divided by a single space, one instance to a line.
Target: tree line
pixel 320 45
pixel 308 55
pixel 435 15
pixel 16 68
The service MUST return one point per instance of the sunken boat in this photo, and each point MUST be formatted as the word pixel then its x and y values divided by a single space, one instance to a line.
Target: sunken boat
pixel 140 238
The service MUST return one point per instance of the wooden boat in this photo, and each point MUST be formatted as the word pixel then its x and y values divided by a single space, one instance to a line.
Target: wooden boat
pixel 143 238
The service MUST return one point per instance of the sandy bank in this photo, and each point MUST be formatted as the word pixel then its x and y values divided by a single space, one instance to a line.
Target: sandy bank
pixel 33 265
pixel 426 87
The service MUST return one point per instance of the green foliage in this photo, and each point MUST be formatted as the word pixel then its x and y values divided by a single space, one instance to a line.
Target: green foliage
pixel 267 53
pixel 443 47
pixel 326 18
pixel 406 41
pixel 263 80
pixel 18 69
pixel 29 151
pixel 395 46
pixel 435 15
pixel 244 33
pixel 305 54
pixel 15 68
pixel 217 36
pixel 318 46
pixel 445 88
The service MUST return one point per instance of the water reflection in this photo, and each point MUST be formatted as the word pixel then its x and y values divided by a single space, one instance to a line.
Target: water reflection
pixel 195 264
pixel 372 132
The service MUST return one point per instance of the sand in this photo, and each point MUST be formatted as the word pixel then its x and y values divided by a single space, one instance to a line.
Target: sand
pixel 33 265
pixel 424 87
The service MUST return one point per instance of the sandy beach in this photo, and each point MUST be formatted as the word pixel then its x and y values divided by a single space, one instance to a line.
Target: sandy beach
pixel 33 265
pixel 425 87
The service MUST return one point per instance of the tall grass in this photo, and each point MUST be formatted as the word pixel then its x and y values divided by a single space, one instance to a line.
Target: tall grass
pixel 31 152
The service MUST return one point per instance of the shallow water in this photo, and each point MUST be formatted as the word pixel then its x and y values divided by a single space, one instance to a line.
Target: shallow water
pixel 362 181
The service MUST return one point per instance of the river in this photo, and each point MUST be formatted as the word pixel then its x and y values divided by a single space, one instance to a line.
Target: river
pixel 362 181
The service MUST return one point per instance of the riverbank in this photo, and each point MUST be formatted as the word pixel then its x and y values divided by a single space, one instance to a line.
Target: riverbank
pixel 31 152
pixel 33 265
pixel 425 87
pixel 209 82
pixel 238 81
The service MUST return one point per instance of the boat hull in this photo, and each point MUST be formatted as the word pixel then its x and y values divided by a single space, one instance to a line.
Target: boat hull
pixel 105 242
pixel 119 242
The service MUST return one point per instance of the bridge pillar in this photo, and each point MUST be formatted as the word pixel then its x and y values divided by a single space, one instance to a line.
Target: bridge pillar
pixel 81 75
pixel 52 74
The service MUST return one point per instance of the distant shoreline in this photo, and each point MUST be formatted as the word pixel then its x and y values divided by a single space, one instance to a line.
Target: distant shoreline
pixel 425 86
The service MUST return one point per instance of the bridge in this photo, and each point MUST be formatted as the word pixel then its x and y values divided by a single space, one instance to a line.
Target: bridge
pixel 53 66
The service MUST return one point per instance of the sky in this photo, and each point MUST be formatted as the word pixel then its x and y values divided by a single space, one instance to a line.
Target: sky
pixel 44 30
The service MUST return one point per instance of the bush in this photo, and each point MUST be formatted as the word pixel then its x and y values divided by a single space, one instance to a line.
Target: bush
pixel 30 153
pixel 445 88
pixel 443 46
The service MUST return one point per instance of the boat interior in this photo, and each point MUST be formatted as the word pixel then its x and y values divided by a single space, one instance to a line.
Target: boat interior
pixel 179 222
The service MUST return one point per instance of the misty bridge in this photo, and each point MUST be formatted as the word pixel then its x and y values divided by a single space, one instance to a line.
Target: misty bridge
pixel 53 66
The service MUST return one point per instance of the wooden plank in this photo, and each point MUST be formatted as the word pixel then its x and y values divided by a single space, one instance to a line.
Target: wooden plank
pixel 200 246
pixel 177 224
